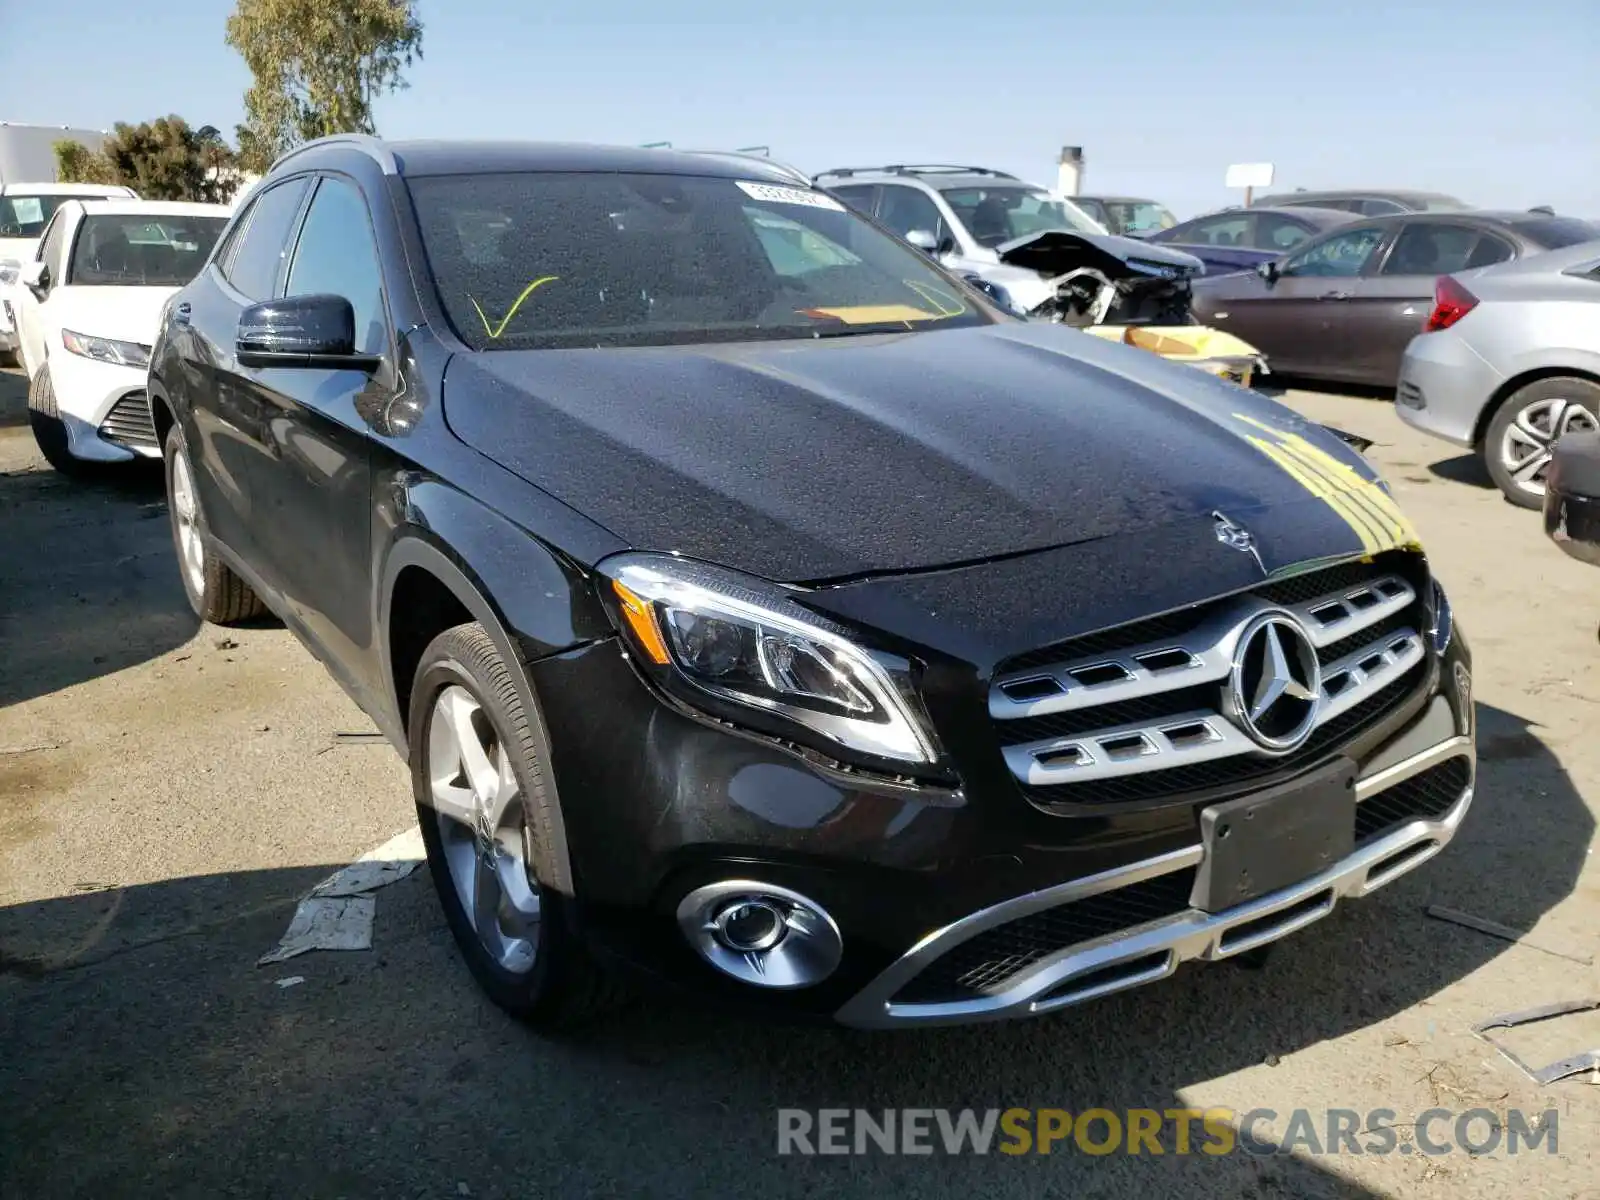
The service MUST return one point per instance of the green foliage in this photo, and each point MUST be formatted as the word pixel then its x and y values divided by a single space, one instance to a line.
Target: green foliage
pixel 160 160
pixel 317 67
pixel 76 163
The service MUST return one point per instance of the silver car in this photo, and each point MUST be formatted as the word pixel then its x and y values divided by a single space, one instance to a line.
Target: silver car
pixel 1509 361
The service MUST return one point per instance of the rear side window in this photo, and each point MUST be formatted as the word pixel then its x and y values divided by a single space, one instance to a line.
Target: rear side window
pixel 1490 250
pixel 253 269
pixel 1431 250
pixel 1273 232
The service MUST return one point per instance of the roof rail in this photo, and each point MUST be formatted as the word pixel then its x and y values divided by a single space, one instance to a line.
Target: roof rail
pixel 373 146
pixel 916 169
pixel 739 156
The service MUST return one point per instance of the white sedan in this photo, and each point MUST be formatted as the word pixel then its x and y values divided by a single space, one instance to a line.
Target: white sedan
pixel 90 306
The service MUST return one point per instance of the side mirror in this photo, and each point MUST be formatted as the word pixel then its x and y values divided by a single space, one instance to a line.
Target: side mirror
pixel 301 331
pixel 923 240
pixel 1269 270
pixel 35 276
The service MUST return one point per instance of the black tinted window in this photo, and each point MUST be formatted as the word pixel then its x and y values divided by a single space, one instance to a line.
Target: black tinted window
pixel 563 259
pixel 1378 208
pixel 336 255
pixel 1555 232
pixel 261 249
pixel 1431 250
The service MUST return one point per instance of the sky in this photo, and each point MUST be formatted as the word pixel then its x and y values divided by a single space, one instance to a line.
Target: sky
pixel 1496 103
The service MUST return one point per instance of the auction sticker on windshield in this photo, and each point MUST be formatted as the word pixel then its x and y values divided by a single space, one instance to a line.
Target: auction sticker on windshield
pixel 773 194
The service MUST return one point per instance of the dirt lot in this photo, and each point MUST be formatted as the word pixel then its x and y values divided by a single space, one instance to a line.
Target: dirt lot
pixel 168 792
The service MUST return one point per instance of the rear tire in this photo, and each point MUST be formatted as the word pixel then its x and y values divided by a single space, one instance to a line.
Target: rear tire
pixel 49 432
pixel 1517 445
pixel 214 592
pixel 485 806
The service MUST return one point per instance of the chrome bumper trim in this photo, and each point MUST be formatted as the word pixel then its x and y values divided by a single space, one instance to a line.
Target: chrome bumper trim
pixel 1153 950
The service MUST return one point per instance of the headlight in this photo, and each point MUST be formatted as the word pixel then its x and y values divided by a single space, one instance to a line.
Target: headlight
pixel 1442 623
pixel 745 651
pixel 124 354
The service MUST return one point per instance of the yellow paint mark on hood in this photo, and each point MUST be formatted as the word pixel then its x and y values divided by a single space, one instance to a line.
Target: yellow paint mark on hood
pixel 1363 504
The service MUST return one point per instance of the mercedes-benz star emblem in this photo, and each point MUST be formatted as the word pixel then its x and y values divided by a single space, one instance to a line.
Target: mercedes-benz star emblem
pixel 1230 534
pixel 1276 683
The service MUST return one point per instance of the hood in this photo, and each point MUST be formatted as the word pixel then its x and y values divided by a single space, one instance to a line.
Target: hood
pixel 1055 252
pixel 128 314
pixel 18 249
pixel 839 458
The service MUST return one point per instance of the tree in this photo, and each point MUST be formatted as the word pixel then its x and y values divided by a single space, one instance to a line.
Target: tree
pixel 76 163
pixel 317 67
pixel 162 159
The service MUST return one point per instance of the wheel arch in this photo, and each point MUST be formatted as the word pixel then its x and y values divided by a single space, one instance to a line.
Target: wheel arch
pixel 1516 383
pixel 416 567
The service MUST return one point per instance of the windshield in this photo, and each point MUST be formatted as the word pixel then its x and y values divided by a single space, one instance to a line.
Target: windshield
pixel 567 259
pixel 1555 232
pixel 26 216
pixel 995 215
pixel 142 251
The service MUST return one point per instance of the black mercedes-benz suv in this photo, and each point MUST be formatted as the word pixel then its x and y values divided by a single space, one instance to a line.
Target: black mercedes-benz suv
pixel 760 610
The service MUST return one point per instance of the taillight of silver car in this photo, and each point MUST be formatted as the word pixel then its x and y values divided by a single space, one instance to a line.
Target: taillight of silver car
pixel 1451 302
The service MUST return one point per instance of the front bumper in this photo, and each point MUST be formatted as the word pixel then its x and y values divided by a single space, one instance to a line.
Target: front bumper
pixel 658 803
pixel 104 408
pixel 1443 386
pixel 1152 950
pixel 1572 496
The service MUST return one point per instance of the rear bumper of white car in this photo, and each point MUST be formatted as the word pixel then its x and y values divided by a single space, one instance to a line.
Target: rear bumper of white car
pixel 104 408
pixel 1444 384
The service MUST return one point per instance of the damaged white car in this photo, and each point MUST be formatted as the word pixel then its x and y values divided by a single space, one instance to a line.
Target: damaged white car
pixel 1038 255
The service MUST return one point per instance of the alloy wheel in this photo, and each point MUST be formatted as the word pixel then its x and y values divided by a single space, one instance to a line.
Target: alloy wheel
pixel 1528 442
pixel 483 830
pixel 186 512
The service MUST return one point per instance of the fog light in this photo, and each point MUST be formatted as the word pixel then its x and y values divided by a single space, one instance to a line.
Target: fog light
pixel 747 925
pixel 761 934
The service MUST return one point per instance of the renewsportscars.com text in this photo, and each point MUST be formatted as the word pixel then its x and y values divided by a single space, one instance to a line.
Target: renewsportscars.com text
pixel 1150 1131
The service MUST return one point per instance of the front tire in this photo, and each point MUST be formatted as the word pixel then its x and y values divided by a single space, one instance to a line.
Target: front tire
pixel 49 431
pixel 214 592
pixel 484 805
pixel 1524 429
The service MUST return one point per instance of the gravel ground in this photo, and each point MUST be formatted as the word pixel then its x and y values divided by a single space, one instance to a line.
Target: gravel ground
pixel 168 791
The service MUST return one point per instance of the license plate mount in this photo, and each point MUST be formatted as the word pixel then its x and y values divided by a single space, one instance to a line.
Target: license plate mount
pixel 1257 844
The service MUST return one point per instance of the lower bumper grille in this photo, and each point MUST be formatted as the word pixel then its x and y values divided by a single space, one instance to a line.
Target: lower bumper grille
pixel 129 423
pixel 982 965
pixel 1426 796
pixel 980 970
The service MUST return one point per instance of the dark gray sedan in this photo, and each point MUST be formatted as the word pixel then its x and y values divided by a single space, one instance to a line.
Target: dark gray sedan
pixel 1344 305
pixel 1241 239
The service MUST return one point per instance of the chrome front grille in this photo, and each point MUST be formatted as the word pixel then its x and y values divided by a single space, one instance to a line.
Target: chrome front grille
pixel 1120 709
pixel 129 423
